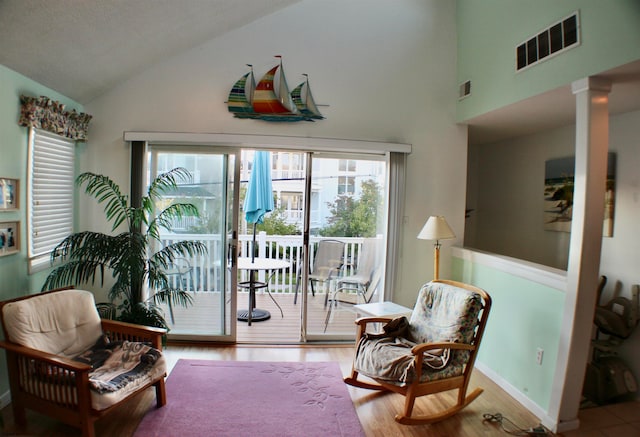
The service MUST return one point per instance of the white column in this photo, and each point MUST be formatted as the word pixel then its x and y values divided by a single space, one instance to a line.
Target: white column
pixel 592 145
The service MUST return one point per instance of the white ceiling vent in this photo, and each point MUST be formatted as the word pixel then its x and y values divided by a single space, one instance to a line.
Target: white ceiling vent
pixel 464 90
pixel 555 39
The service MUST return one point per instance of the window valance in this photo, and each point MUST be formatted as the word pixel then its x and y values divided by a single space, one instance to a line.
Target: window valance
pixel 44 113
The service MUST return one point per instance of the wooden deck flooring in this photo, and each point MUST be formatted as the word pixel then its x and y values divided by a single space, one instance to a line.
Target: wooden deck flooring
pixel 200 319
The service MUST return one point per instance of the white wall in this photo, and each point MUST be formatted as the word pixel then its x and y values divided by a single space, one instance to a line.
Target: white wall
pixel 506 182
pixel 386 70
pixel 506 193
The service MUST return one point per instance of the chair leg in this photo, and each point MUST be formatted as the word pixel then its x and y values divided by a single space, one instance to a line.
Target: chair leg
pixel 409 402
pixel 19 414
pixel 87 427
pixel 274 301
pixel 326 320
pixel 161 393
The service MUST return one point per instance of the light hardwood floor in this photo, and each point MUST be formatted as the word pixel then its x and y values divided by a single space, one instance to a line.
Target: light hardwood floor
pixel 375 411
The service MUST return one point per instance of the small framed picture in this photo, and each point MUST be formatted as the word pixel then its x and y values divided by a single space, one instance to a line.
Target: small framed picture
pixel 9 194
pixel 9 238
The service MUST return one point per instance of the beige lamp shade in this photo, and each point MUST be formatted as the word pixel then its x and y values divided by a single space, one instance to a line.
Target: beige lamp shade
pixel 436 228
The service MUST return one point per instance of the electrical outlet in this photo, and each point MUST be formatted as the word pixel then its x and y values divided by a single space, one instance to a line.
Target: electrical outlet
pixel 539 354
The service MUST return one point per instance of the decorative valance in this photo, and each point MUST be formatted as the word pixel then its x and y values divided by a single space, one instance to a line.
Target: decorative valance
pixel 44 113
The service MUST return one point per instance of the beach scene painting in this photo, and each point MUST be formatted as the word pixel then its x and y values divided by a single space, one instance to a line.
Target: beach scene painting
pixel 558 194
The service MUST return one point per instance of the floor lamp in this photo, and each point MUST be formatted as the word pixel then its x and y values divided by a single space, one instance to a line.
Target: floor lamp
pixel 436 228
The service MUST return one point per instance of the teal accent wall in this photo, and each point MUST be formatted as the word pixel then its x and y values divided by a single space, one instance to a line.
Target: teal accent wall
pixel 525 316
pixel 14 278
pixel 490 30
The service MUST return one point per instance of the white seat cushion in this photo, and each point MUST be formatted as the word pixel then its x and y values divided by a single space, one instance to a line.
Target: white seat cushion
pixel 63 323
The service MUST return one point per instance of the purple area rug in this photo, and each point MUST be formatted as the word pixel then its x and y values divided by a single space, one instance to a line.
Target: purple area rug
pixel 252 398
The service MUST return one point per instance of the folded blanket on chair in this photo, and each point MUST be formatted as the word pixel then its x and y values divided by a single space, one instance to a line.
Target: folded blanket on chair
pixel 395 332
pixel 118 363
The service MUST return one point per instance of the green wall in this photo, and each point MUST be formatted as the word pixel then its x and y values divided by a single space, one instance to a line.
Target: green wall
pixel 14 278
pixel 525 316
pixel 489 31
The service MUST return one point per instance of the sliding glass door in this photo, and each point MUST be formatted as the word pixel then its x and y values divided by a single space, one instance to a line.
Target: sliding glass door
pixel 209 279
pixel 347 235
pixel 320 251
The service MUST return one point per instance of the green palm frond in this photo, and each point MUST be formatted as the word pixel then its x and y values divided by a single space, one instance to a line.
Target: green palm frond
pixel 169 253
pixel 103 189
pixel 164 219
pixel 89 246
pixel 167 181
pixel 174 296
pixel 74 272
pixel 88 256
pixel 144 314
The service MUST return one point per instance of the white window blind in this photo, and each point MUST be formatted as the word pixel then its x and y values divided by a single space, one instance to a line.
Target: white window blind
pixel 51 188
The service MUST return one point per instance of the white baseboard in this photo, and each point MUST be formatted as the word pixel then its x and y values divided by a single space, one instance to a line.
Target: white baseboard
pixel 535 409
pixel 5 399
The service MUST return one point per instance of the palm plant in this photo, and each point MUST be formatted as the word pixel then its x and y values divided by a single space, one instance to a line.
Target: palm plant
pixel 129 255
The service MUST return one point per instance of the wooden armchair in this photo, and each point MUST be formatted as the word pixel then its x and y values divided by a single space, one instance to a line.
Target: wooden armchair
pixel 432 352
pixel 49 338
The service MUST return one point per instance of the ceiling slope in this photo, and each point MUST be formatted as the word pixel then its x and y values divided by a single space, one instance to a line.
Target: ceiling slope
pixel 83 48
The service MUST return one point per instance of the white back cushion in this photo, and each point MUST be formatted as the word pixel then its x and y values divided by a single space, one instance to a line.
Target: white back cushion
pixel 62 323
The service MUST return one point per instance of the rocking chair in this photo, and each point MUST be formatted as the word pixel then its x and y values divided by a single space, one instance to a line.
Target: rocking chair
pixel 432 352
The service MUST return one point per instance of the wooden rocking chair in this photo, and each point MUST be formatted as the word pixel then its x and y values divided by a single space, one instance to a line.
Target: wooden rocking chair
pixel 432 352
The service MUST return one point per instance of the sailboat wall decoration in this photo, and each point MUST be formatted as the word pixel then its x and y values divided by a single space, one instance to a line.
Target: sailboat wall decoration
pixel 270 99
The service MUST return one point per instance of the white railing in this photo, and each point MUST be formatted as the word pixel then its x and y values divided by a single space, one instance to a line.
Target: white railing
pixel 206 270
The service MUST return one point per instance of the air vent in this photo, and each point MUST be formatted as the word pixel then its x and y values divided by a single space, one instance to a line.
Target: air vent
pixel 464 90
pixel 551 41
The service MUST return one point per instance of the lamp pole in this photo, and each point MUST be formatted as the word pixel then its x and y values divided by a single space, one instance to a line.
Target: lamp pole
pixel 436 259
pixel 436 228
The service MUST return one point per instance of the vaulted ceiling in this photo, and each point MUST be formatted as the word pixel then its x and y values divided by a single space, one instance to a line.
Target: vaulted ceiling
pixel 83 48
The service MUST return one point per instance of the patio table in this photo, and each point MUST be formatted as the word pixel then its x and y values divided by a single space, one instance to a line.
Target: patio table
pixel 254 265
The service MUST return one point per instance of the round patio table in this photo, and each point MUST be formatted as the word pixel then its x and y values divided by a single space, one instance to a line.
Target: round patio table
pixel 254 314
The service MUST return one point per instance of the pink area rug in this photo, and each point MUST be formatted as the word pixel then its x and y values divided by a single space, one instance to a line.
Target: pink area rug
pixel 250 398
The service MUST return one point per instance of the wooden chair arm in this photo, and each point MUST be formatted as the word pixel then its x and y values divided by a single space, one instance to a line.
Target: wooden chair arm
pixel 419 349
pixel 117 330
pixel 45 357
pixel 362 323
pixel 366 320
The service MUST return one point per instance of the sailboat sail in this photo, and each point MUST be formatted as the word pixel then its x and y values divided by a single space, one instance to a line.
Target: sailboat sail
pixel 270 99
pixel 303 99
pixel 240 97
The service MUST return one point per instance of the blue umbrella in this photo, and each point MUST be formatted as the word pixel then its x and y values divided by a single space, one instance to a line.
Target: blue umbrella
pixel 259 197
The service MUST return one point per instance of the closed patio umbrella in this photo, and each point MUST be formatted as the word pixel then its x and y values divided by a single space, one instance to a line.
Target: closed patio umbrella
pixel 257 202
pixel 259 197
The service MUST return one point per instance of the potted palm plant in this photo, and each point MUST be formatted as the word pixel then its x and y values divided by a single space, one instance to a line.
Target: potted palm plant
pixel 131 255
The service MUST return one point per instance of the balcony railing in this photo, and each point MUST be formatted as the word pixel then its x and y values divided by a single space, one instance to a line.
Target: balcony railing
pixel 206 270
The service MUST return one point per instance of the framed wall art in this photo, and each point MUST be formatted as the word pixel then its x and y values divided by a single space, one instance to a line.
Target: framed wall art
pixel 9 238
pixel 558 194
pixel 9 194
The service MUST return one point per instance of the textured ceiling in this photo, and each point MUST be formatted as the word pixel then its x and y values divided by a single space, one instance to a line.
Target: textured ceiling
pixel 83 48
